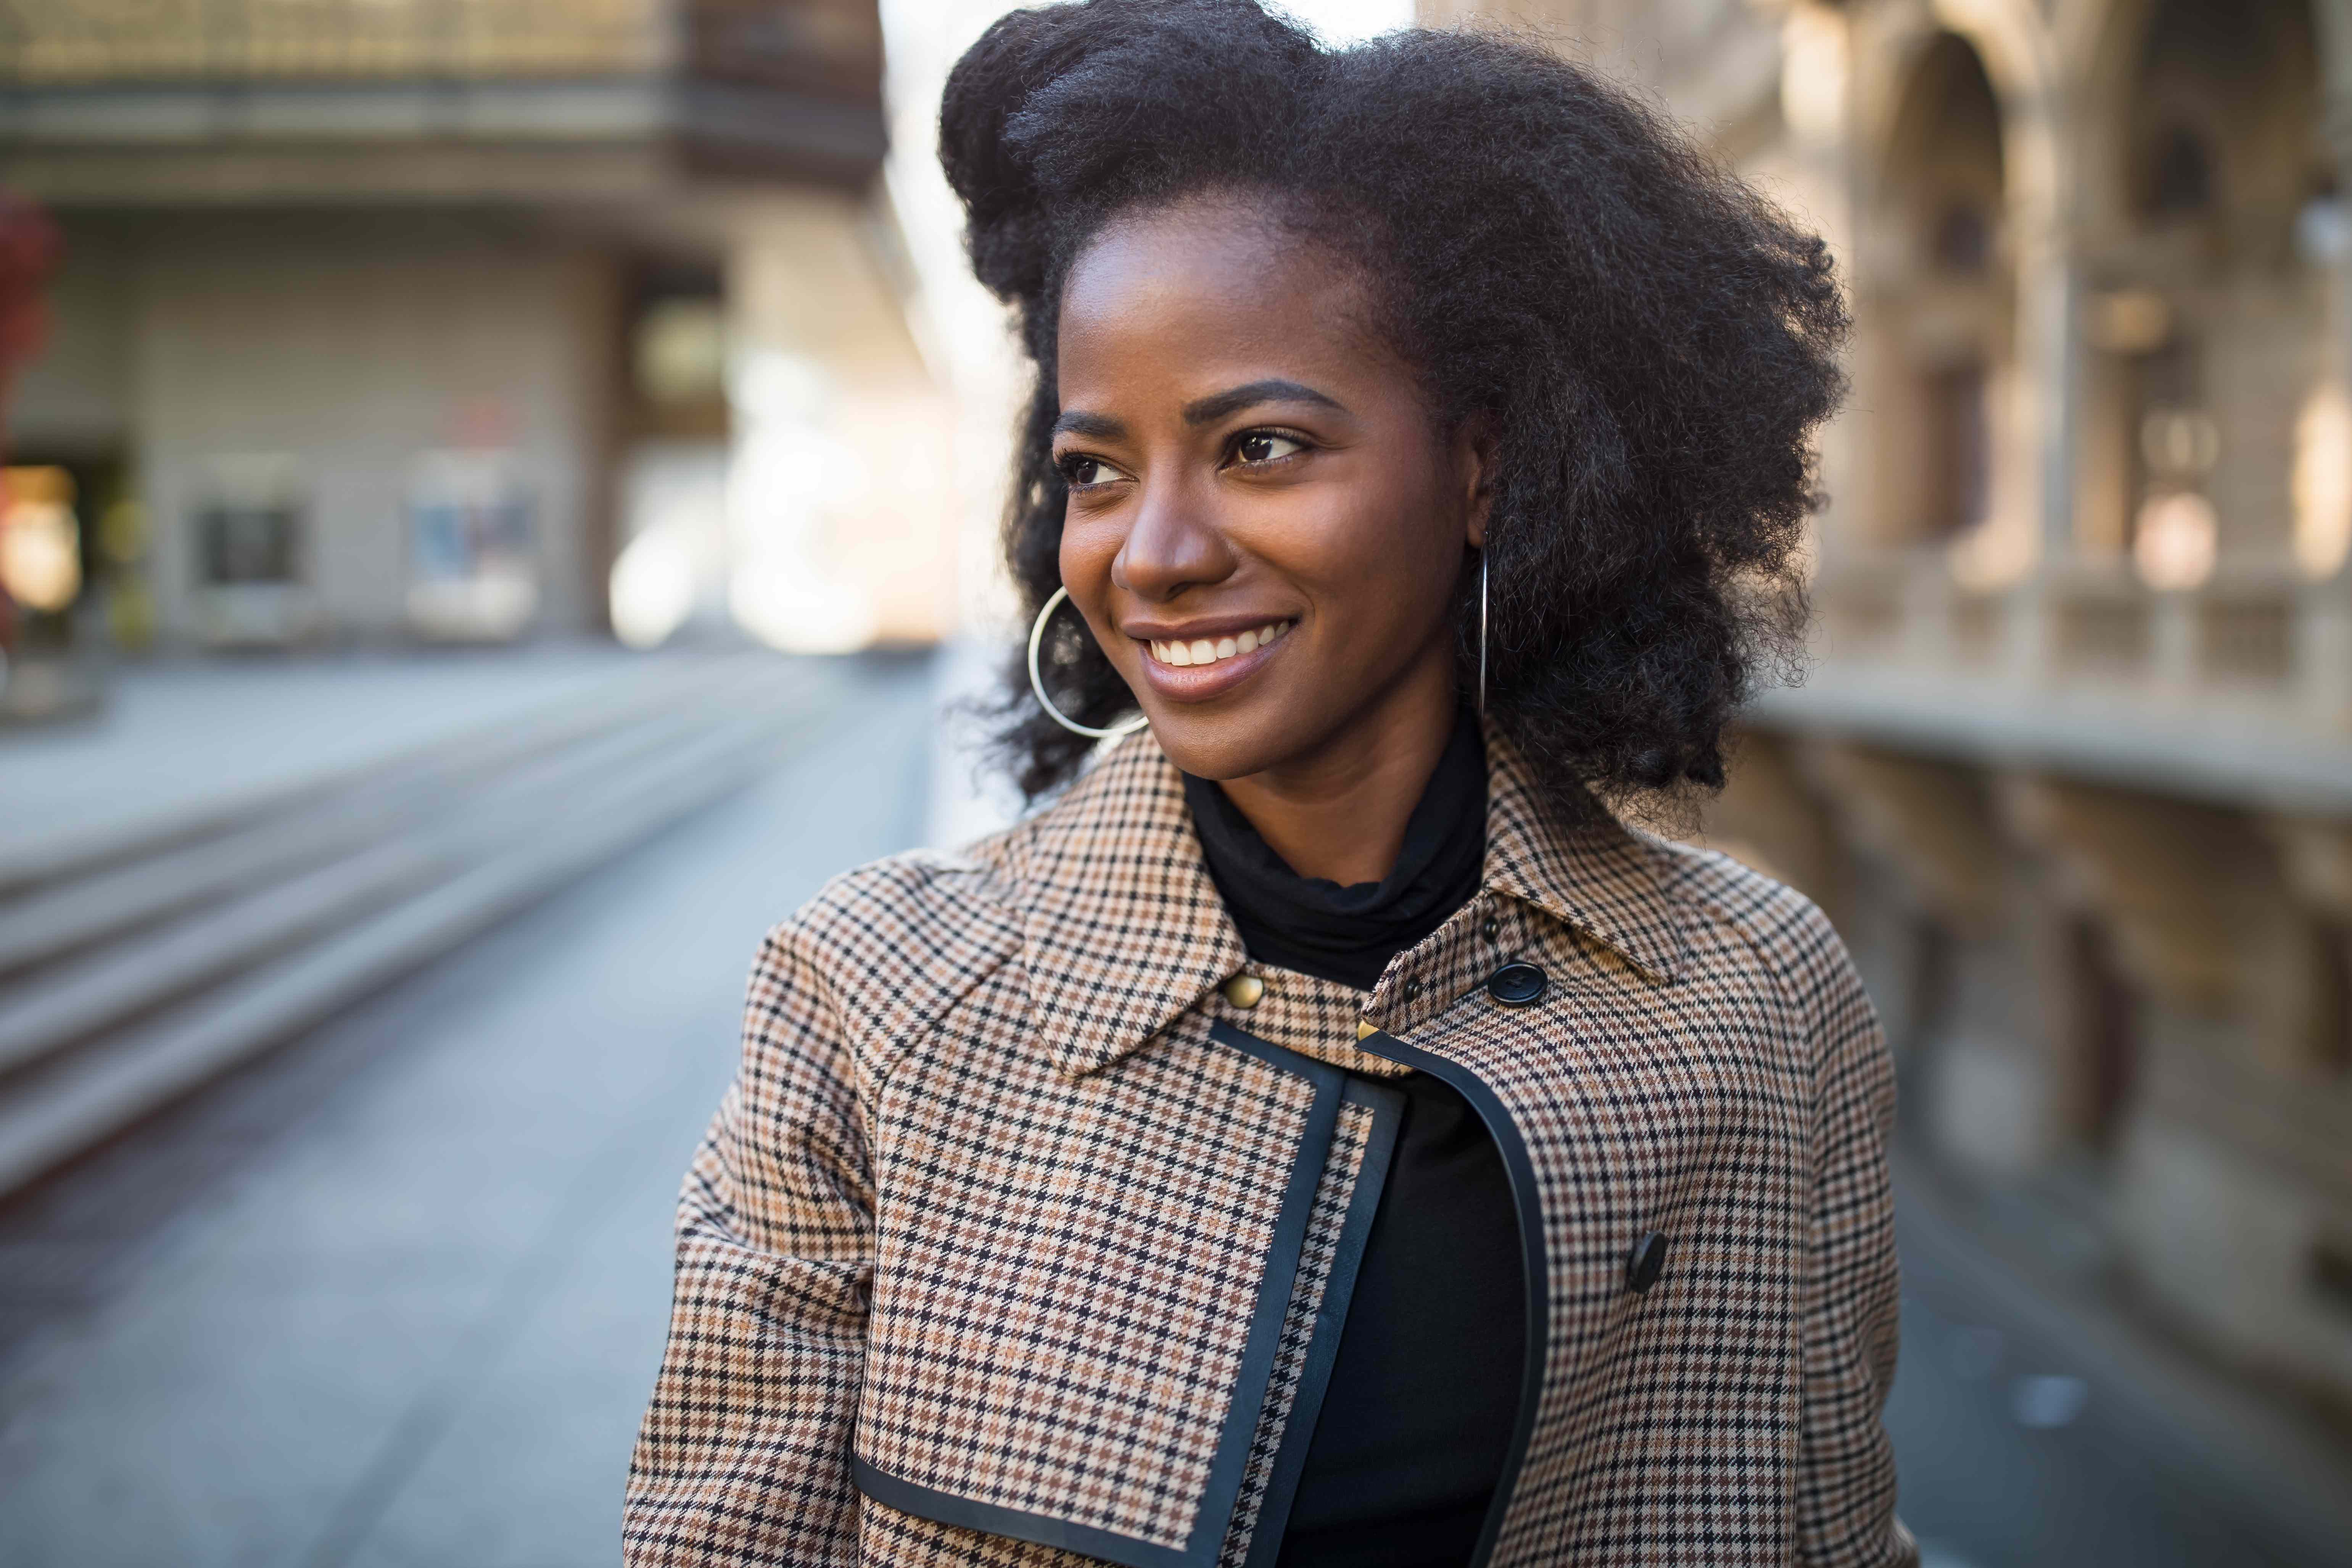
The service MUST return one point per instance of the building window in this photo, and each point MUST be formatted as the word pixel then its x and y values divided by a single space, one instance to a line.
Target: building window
pixel 2105 1032
pixel 2180 174
pixel 2331 1036
pixel 248 541
pixel 1962 240
pixel 1960 449
pixel 2331 1274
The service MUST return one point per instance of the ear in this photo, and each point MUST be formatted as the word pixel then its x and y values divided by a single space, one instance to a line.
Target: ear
pixel 1475 453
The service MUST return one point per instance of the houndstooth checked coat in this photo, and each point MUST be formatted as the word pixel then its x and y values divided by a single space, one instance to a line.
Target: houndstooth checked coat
pixel 1021 1241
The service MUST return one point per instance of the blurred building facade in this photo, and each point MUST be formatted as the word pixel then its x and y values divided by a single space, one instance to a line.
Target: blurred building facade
pixel 390 318
pixel 2073 768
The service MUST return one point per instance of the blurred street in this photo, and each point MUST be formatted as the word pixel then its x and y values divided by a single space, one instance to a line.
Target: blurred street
pixel 394 1294
pixel 2034 1430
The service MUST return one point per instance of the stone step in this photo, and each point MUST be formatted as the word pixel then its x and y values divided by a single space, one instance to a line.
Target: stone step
pixel 89 1047
pixel 55 1007
pixel 145 845
pixel 149 875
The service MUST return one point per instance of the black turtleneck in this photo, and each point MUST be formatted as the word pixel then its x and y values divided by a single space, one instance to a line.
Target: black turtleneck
pixel 1348 934
pixel 1425 1387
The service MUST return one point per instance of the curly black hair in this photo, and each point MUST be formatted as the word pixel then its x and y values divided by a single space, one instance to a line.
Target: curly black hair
pixel 1649 342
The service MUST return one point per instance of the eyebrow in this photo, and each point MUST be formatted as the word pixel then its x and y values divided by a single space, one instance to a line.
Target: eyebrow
pixel 1217 405
pixel 1202 411
pixel 1095 426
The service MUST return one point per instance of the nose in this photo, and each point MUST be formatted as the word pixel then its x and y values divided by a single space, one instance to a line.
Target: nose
pixel 1174 544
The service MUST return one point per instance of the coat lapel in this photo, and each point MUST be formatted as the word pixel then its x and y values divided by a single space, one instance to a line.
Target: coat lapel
pixel 1122 929
pixel 1595 874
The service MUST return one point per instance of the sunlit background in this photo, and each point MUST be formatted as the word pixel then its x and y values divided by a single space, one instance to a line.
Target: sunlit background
pixel 499 501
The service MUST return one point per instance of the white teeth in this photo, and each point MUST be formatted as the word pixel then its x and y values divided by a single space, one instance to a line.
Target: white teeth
pixel 1202 650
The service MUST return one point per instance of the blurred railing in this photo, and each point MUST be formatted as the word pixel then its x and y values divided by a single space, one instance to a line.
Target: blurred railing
pixel 112 102
pixel 2254 639
pixel 61 42
pixel 806 44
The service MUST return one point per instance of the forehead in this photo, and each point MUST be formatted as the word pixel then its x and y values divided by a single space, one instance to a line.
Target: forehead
pixel 1209 289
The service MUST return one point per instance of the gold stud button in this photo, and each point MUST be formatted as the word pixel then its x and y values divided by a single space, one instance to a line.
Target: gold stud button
pixel 1243 990
pixel 1366 1028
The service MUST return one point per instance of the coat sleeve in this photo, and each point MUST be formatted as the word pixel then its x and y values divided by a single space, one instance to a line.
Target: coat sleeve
pixel 744 1456
pixel 1846 1484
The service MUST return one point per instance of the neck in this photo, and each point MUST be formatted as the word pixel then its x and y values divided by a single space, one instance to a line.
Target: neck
pixel 1339 813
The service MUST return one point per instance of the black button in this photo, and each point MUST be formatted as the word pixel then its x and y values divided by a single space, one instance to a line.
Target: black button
pixel 1516 984
pixel 1493 929
pixel 1645 1262
pixel 1412 988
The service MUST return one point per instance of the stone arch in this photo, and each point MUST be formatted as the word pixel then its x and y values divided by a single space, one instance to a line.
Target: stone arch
pixel 2246 66
pixel 2013 57
pixel 2095 39
pixel 2019 61
pixel 2017 56
pixel 2208 193
pixel 1940 307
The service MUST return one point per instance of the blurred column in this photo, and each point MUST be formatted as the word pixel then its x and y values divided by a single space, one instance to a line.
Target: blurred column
pixel 2322 486
pixel 2033 503
pixel 2049 288
pixel 967 337
pixel 2031 516
pixel 839 525
pixel 1812 172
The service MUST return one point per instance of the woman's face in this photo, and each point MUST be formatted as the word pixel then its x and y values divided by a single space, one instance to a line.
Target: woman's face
pixel 1265 529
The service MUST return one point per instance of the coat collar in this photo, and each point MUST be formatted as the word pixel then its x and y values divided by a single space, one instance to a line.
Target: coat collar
pixel 1123 930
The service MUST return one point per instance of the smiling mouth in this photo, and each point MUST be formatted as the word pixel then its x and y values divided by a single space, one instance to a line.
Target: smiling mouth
pixel 1210 650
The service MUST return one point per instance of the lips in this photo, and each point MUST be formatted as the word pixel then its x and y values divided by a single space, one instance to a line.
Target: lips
pixel 1211 663
pixel 1182 654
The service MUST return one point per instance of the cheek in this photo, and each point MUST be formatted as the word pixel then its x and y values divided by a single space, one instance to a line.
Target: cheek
pixel 1384 551
pixel 1086 554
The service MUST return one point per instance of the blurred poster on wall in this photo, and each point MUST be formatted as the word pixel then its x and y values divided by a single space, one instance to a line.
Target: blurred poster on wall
pixel 251 529
pixel 473 548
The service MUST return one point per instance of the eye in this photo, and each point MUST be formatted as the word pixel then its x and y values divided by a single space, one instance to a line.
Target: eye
pixel 1081 472
pixel 1266 447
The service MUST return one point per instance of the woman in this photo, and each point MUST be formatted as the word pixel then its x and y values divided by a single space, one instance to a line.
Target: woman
pixel 1326 1135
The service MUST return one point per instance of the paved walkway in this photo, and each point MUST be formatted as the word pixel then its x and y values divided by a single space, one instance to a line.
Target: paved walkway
pixel 396 1297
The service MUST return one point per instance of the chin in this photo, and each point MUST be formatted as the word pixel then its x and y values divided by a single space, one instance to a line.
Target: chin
pixel 1223 746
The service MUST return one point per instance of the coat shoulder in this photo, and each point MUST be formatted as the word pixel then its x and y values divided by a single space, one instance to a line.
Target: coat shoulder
pixel 893 945
pixel 1787 931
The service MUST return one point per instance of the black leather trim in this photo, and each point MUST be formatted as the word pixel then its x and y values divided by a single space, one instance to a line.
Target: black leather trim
pixel 1526 1198
pixel 1330 1320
